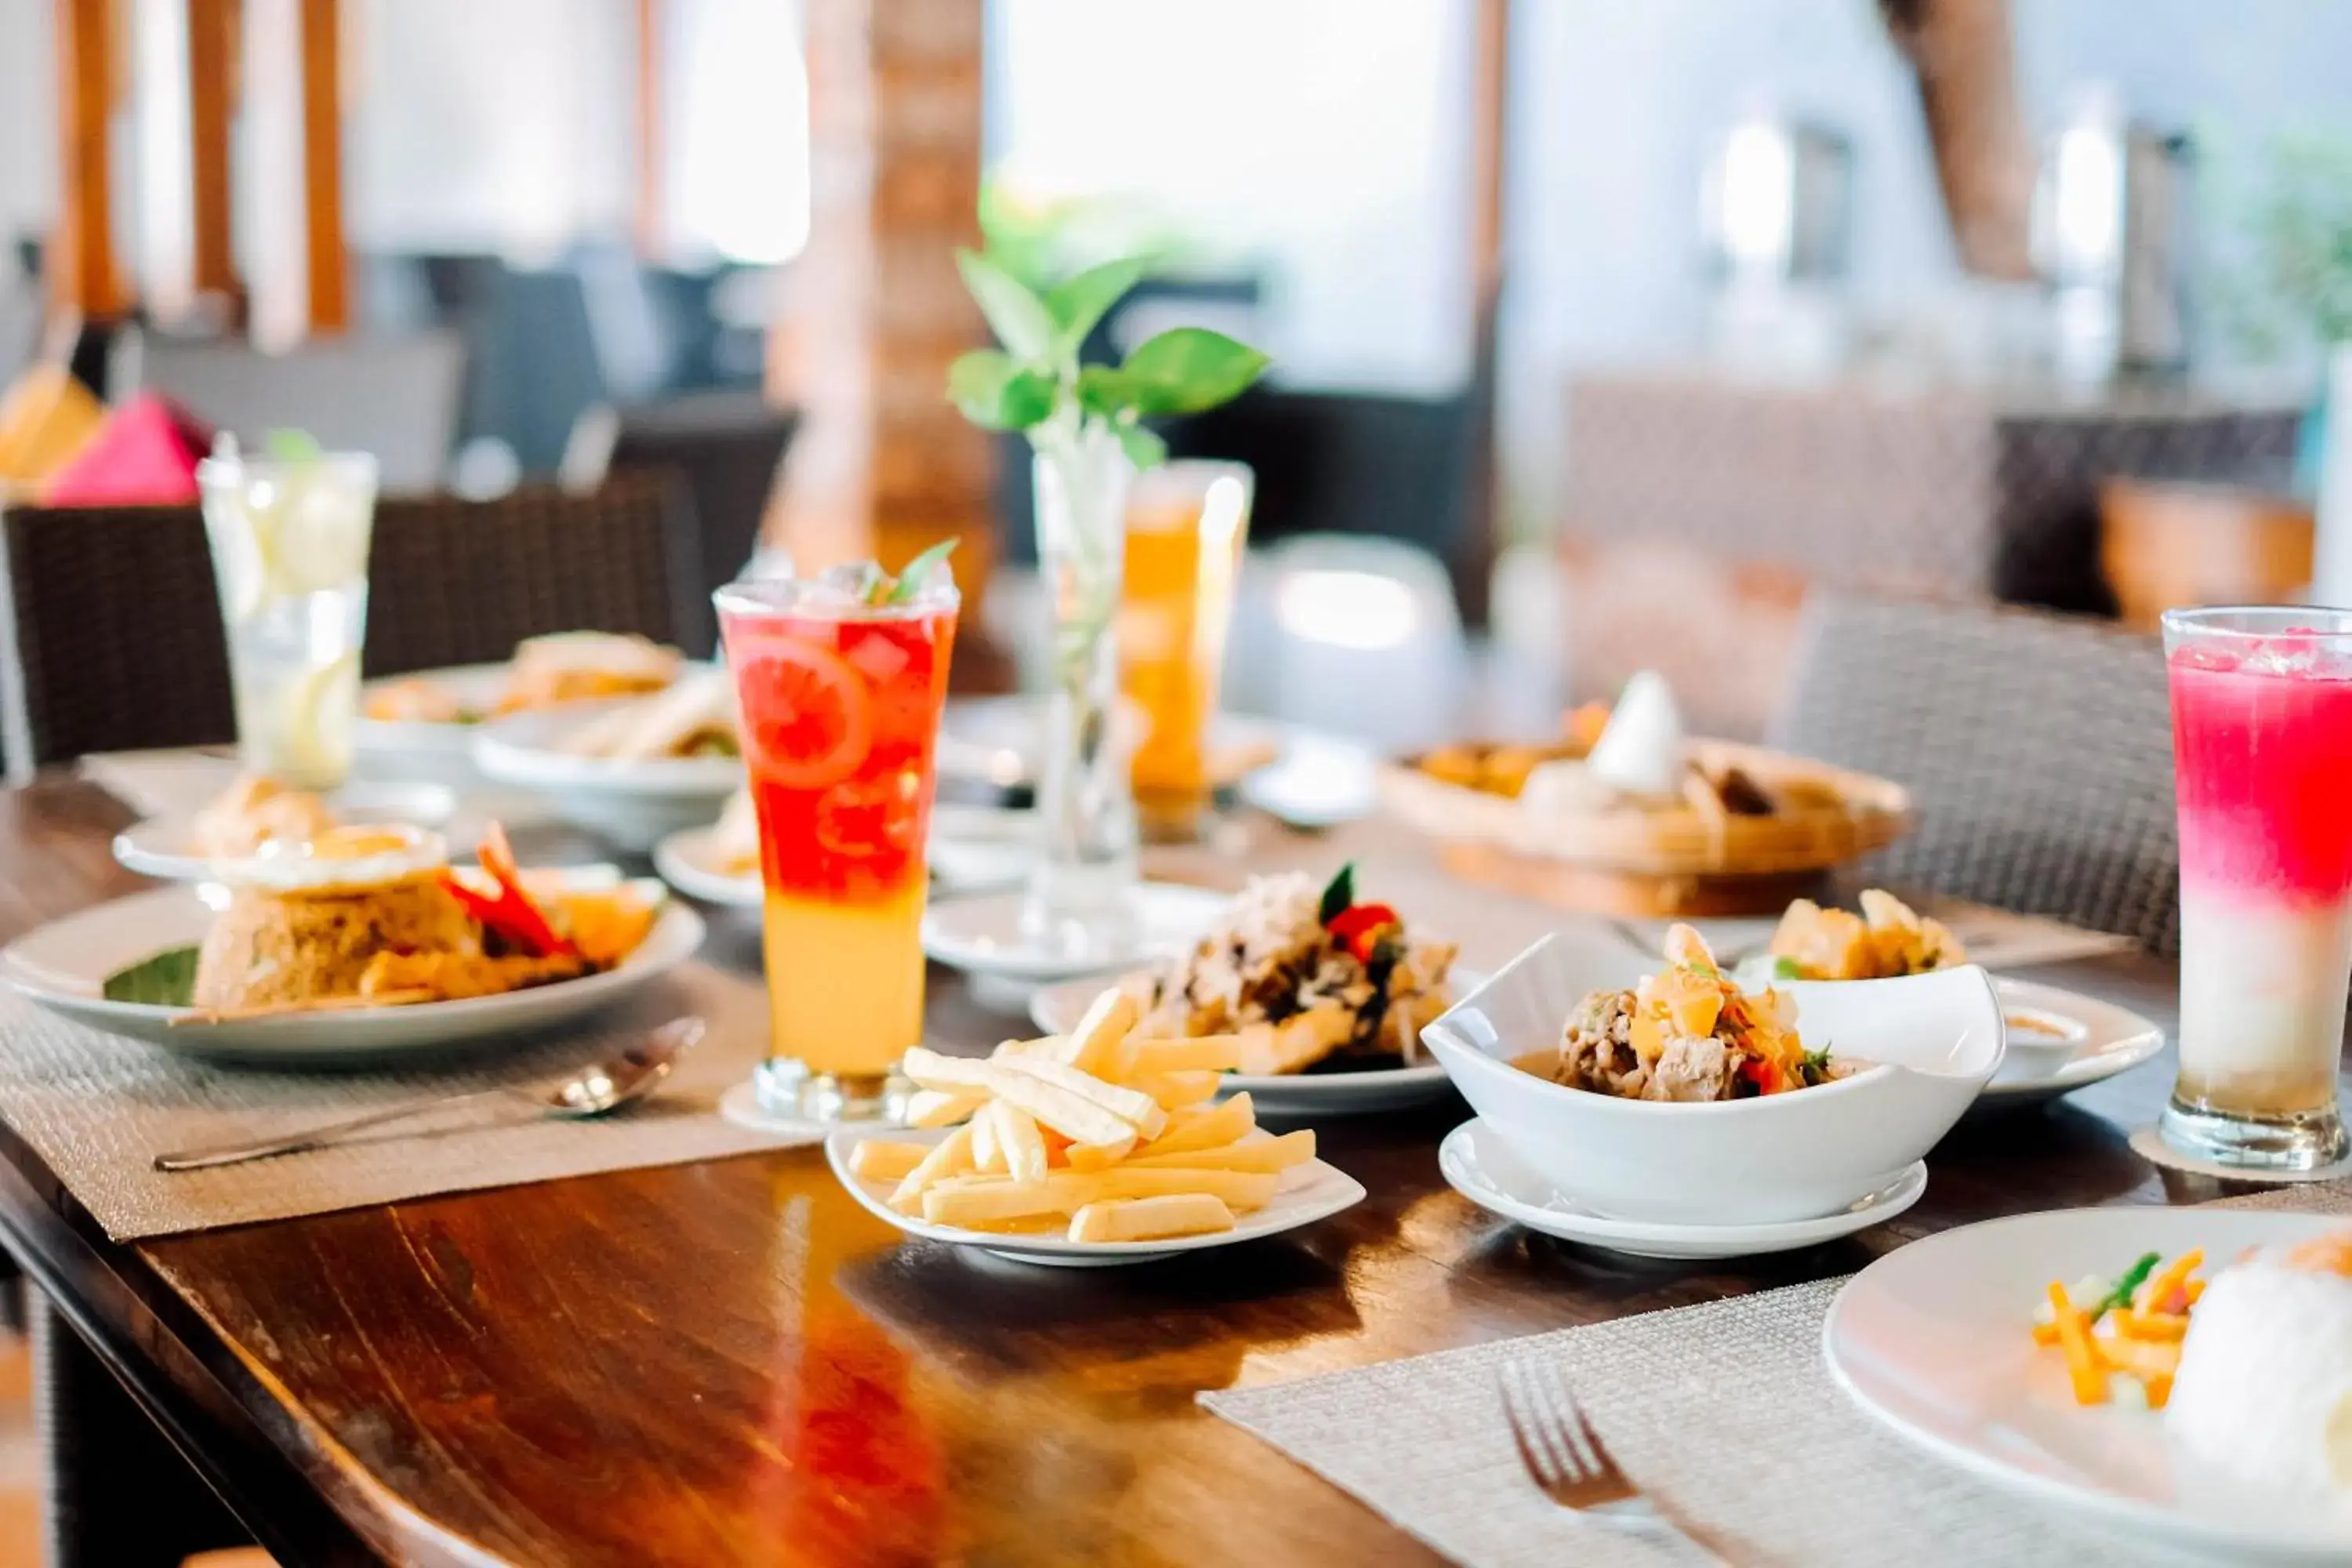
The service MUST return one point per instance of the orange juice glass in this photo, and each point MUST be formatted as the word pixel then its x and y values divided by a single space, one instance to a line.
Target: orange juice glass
pixel 840 706
pixel 1186 523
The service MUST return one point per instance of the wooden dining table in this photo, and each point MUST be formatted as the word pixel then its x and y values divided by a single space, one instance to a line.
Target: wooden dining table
pixel 733 1362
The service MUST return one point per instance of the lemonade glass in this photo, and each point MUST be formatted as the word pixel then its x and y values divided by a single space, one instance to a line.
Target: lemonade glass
pixel 289 549
pixel 840 703
pixel 2262 735
pixel 1186 522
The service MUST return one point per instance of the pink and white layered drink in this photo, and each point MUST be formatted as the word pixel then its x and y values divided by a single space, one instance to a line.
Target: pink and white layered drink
pixel 2262 724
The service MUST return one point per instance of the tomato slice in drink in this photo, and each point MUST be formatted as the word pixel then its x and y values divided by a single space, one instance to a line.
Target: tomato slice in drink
pixel 810 717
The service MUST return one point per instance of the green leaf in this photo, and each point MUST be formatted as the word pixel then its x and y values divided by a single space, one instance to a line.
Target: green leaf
pixel 992 391
pixel 1787 969
pixel 918 572
pixel 2118 1298
pixel 1187 369
pixel 1338 895
pixel 292 446
pixel 1106 391
pixel 166 979
pixel 1078 303
pixel 1016 315
pixel 1143 448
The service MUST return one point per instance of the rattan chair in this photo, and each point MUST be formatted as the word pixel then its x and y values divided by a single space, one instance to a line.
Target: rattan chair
pixel 2038 750
pixel 459 581
pixel 113 637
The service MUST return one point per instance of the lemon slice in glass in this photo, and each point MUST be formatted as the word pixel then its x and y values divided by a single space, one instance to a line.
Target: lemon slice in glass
pixel 319 722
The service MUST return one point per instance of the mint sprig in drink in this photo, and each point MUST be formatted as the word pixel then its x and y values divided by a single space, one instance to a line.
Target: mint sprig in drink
pixel 2262 720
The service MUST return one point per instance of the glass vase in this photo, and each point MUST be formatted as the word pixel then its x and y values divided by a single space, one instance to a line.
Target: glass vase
pixel 1077 903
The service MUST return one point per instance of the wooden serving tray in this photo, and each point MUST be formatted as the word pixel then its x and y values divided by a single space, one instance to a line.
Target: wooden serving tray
pixel 1681 860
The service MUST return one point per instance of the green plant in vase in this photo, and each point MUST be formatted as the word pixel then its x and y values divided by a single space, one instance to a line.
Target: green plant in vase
pixel 1087 431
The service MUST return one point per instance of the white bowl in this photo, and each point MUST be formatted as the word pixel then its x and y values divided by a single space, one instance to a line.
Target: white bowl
pixel 632 805
pixel 422 749
pixel 1935 1040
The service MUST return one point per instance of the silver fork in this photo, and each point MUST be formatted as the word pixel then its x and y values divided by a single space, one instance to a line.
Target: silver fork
pixel 1569 1464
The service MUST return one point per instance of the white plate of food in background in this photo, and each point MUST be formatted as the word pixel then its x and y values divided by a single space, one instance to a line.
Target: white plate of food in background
pixel 422 725
pixel 146 945
pixel 1938 1341
pixel 999 741
pixel 631 771
pixel 1480 1165
pixel 973 849
pixel 181 849
pixel 1325 993
pixel 2060 1041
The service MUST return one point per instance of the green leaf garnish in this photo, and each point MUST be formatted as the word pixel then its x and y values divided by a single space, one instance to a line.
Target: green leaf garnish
pixel 1787 969
pixel 166 979
pixel 1186 369
pixel 1078 303
pixel 1016 316
pixel 995 394
pixel 2118 1298
pixel 1338 895
pixel 1143 448
pixel 918 572
pixel 292 446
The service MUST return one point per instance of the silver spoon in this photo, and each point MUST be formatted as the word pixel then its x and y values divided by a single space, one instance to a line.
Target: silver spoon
pixel 600 1088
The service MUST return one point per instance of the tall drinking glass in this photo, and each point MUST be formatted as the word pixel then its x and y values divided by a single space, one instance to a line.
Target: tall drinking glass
pixel 840 703
pixel 290 547
pixel 1186 523
pixel 2262 729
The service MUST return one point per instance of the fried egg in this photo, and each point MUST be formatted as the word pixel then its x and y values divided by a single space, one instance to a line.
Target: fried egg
pixel 2264 1389
pixel 338 859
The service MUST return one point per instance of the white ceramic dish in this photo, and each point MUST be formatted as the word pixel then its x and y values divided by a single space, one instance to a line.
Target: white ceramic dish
pixel 999 741
pixel 973 849
pixel 1480 1165
pixel 408 748
pixel 1307 1192
pixel 63 966
pixel 1934 1041
pixel 633 804
pixel 1057 1009
pixel 1932 1340
pixel 165 846
pixel 982 934
pixel 2081 1041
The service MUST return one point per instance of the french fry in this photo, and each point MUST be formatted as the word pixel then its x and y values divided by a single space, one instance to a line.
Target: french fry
pixel 1098 1156
pixel 2084 1368
pixel 1133 1107
pixel 940 1108
pixel 1208 1053
pixel 2155 1291
pixel 1228 1124
pixel 1146 1219
pixel 985 1155
pixel 879 1160
pixel 1178 1090
pixel 1019 1141
pixel 950 1155
pixel 1075 1117
pixel 1048 1046
pixel 2156 1327
pixel 1261 1155
pixel 1095 1043
pixel 967 1201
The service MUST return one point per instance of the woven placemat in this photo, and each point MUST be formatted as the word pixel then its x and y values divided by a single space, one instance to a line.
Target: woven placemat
pixel 1727 1408
pixel 99 1108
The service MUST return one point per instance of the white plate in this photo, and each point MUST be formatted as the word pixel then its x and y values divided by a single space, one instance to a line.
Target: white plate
pixel 165 846
pixel 413 749
pixel 983 935
pixel 1480 1165
pixel 1307 1192
pixel 1057 1010
pixel 998 741
pixel 1933 1340
pixel 2095 1040
pixel 63 966
pixel 973 848
pixel 633 804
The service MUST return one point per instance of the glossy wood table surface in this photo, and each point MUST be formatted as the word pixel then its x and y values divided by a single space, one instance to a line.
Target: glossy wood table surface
pixel 732 1363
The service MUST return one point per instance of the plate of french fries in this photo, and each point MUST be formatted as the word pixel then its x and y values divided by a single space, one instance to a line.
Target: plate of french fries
pixel 1090 1148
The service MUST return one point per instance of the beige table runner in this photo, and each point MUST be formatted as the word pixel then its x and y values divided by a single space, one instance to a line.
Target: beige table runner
pixel 1727 1405
pixel 99 1108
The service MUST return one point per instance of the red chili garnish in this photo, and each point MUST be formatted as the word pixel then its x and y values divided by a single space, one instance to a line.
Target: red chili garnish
pixel 1761 1073
pixel 513 914
pixel 1359 928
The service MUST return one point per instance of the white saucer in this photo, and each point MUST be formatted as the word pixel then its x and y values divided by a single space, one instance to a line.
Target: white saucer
pixel 1477 1164
pixel 2084 1041
pixel 165 846
pixel 1307 1192
pixel 983 935
pixel 1058 1009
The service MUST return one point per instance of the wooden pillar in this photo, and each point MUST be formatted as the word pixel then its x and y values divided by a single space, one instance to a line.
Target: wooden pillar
pixel 85 279
pixel 328 266
pixel 212 97
pixel 646 225
pixel 1473 558
pixel 883 464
